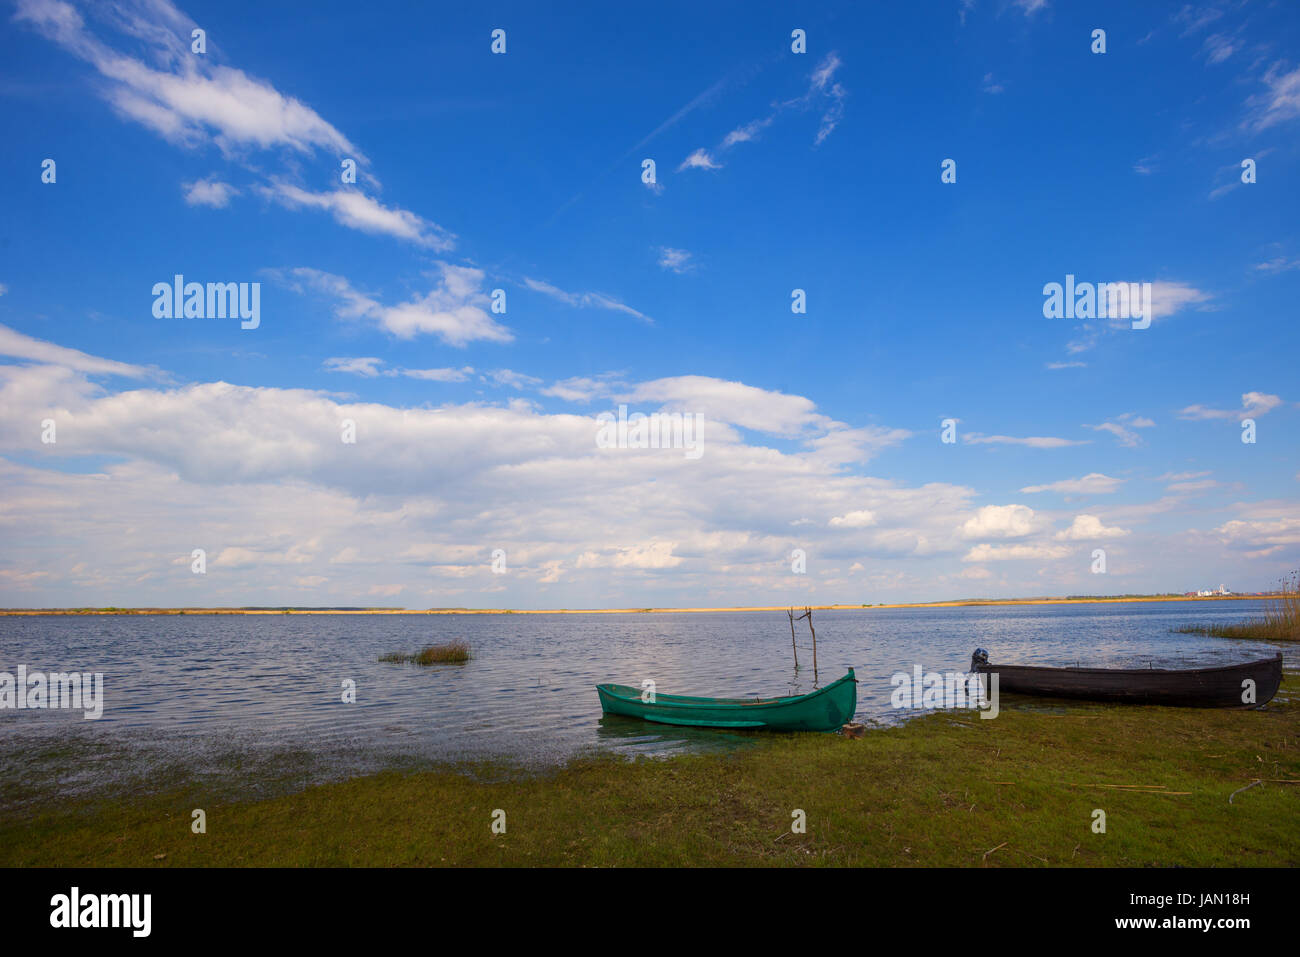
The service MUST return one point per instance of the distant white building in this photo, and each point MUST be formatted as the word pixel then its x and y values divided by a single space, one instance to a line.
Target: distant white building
pixel 1209 593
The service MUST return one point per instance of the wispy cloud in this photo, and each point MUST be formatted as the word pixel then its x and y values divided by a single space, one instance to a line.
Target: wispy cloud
pixel 1192 18
pixel 1279 103
pixel 582 388
pixel 676 260
pixel 585 300
pixel 356 210
pixel 209 192
pixel 1168 298
pixel 1031 441
pixel 453 310
pixel 369 367
pixel 1218 47
pixel 1122 428
pixel 1094 483
pixel 700 159
pixel 510 378
pixel 823 93
pixel 1253 404
pixel 1279 264
pixel 19 346
pixel 185 99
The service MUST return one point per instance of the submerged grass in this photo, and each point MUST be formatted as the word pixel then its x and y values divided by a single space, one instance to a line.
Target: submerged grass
pixel 949 789
pixel 1281 621
pixel 452 653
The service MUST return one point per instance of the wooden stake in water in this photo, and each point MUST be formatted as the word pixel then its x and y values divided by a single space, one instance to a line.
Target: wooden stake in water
pixel 808 613
pixel 793 647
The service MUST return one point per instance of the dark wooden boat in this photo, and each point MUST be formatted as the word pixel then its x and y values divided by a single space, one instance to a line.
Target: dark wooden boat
pixel 1227 686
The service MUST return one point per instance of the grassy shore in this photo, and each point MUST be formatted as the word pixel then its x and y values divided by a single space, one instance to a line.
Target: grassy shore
pixel 956 603
pixel 947 789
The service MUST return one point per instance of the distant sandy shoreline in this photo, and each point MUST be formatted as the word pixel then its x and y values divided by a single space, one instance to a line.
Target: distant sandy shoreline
pixel 608 611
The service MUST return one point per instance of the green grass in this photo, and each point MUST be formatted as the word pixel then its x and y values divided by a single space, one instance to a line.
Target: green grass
pixel 452 653
pixel 943 790
pixel 1281 621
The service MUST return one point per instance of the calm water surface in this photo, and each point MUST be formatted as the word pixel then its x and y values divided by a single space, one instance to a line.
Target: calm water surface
pixel 193 688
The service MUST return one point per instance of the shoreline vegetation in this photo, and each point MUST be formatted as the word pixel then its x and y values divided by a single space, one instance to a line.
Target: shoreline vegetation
pixel 295 610
pixel 452 653
pixel 1178 787
pixel 1280 622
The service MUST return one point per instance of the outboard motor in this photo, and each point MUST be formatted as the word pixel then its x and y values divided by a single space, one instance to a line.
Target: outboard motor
pixel 981 657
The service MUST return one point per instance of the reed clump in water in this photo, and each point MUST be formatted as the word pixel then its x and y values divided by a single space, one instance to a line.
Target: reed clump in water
pixel 452 653
pixel 1281 621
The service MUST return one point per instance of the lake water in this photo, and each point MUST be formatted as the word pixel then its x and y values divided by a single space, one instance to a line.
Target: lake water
pixel 190 691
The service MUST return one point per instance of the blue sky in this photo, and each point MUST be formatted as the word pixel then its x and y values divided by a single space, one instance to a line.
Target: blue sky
pixel 523 172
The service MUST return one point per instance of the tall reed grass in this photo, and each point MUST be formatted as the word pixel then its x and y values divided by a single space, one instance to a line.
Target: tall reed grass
pixel 1281 621
pixel 452 653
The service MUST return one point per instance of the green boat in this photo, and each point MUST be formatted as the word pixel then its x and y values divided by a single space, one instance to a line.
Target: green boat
pixel 822 710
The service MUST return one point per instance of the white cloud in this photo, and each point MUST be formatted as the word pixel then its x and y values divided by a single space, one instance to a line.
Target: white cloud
pixel 1279 264
pixel 1122 428
pixel 366 366
pixel 259 474
pixel 1218 47
pixel 743 134
pixel 1277 531
pixel 1280 103
pixel 677 260
pixel 356 210
pixel 1087 528
pixel 649 555
pixel 511 379
pixel 453 310
pixel 700 159
pixel 1168 298
pixel 1094 483
pixel 580 388
pixel 440 375
pixel 186 99
pixel 369 367
pixel 209 192
pixel 19 346
pixel 856 519
pixel 1198 486
pixel 1006 553
pixel 1252 404
pixel 1001 521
